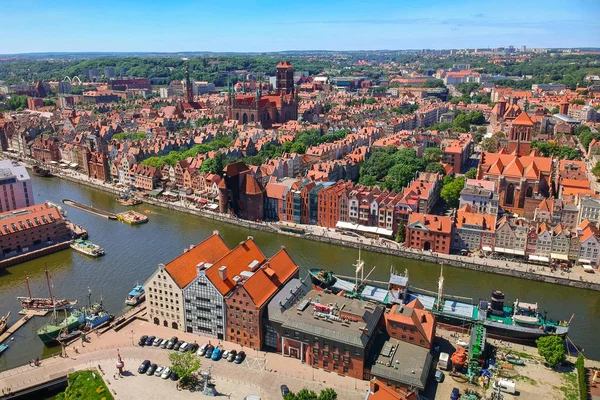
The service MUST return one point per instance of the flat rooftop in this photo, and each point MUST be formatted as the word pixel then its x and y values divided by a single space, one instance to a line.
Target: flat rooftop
pixel 403 362
pixel 336 318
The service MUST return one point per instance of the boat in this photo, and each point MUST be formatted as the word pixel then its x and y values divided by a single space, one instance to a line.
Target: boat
pixel 86 247
pixel 49 333
pixel 522 322
pixel 40 171
pixel 126 199
pixel 136 296
pixel 96 316
pixel 3 348
pixel 515 360
pixel 42 303
pixel 132 217
pixel 4 322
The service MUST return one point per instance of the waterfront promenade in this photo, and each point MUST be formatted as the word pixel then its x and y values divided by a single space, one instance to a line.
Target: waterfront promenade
pixel 261 373
pixel 576 277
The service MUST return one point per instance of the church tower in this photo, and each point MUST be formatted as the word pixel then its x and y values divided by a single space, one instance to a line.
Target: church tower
pixel 521 133
pixel 189 88
pixel 285 78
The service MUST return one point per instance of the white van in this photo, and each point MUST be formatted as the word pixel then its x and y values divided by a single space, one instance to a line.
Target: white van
pixel 443 361
pixel 506 386
pixel 252 397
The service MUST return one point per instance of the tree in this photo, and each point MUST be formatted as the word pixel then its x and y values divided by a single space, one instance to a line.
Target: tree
pixel 327 394
pixel 434 83
pixel 432 154
pixel 476 118
pixel 401 236
pixel 552 348
pixel 451 191
pixel 596 170
pixel 461 123
pixel 399 177
pixel 490 145
pixel 184 364
pixel 209 165
pixel 579 102
pixel 471 174
pixel 435 167
pixel 299 148
pixel 305 394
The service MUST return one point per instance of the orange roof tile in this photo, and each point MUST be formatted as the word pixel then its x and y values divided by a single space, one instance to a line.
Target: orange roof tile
pixel 236 261
pixel 523 120
pixel 183 268
pixel 269 278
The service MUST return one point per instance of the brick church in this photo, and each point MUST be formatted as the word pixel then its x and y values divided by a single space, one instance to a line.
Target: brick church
pixel 275 108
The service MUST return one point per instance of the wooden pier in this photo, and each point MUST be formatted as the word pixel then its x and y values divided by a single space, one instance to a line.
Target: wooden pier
pixel 90 209
pixel 14 327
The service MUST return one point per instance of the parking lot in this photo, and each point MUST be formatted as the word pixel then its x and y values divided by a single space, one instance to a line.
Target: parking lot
pixel 260 373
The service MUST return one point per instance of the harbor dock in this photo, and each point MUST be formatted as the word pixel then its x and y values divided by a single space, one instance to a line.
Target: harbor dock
pixel 22 321
pixel 90 209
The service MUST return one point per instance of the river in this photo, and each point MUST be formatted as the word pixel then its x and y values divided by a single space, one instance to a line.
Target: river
pixel 133 252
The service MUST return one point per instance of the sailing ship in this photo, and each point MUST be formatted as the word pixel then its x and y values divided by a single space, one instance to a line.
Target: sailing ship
pixel 87 248
pixel 521 322
pixel 42 303
pixel 4 323
pixel 136 296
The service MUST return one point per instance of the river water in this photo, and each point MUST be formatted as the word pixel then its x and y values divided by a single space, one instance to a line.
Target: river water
pixel 133 252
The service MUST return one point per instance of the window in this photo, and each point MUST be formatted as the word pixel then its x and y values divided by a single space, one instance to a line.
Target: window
pixel 345 369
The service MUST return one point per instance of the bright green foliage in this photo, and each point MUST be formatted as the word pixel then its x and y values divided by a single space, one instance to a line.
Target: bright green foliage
pixel 434 83
pixel 130 136
pixel 184 364
pixel 451 190
pixel 471 174
pixel 467 88
pixel 175 156
pixel 305 394
pixel 596 170
pixel 401 236
pixel 86 385
pixel 432 154
pixel 552 348
pixel 580 366
pixel 553 149
pixel 17 101
pixel 435 167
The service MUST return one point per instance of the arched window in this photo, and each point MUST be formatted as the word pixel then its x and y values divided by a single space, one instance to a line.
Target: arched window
pixel 156 321
pixel 251 117
pixel 245 118
pixel 174 325
pixel 165 323
pixel 237 116
pixel 510 195
pixel 529 191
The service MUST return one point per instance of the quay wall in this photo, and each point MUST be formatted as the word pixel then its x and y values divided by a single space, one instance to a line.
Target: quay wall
pixel 34 254
pixel 399 252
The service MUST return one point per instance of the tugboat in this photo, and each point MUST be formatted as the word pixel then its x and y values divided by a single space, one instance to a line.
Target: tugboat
pixel 126 199
pixel 87 248
pixel 4 323
pixel 95 314
pixel 44 304
pixel 136 296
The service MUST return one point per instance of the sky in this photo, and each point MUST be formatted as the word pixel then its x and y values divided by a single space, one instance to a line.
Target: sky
pixel 265 25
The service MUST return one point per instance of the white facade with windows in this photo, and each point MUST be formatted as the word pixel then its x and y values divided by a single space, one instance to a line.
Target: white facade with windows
pixel 164 300
pixel 15 187
pixel 204 306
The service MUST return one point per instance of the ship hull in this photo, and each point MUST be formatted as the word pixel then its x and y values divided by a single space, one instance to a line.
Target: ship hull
pixel 37 304
pixel 49 333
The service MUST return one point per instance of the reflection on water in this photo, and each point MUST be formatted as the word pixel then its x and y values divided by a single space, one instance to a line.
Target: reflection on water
pixel 132 253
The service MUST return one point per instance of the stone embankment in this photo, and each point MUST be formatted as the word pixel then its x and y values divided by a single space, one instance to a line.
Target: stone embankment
pixel 456 261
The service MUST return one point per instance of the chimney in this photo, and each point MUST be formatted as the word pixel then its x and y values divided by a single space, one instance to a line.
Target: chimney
pixel 423 319
pixel 223 272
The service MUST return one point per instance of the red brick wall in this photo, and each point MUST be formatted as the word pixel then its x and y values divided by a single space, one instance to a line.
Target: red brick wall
pixel 439 242
pixel 243 319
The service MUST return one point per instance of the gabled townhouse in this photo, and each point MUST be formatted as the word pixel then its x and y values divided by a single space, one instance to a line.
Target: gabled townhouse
pixel 429 233
pixel 589 243
pixel 561 241
pixel 511 236
pixel 480 196
pixel 543 247
pixel 473 231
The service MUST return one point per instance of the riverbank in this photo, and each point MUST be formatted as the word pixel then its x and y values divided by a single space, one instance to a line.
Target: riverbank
pixel 577 278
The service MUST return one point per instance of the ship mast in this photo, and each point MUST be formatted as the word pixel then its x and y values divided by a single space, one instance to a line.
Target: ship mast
pixel 440 288
pixel 49 286
pixel 28 287
pixel 359 266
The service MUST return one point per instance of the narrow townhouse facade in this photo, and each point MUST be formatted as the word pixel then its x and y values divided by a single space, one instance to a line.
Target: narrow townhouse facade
pixel 429 233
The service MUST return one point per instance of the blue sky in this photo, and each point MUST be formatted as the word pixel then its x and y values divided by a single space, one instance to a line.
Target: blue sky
pixel 265 25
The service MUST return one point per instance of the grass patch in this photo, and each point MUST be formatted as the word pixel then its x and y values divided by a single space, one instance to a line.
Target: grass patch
pixel 86 385
pixel 569 388
pixel 525 379
pixel 516 353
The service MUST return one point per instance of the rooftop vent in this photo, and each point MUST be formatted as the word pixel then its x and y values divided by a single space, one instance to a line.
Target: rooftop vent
pixel 223 273
pixel 253 265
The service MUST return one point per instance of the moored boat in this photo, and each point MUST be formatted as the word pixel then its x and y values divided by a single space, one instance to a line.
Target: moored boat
pixel 4 322
pixel 50 332
pixel 43 303
pixel 40 171
pixel 3 348
pixel 132 217
pixel 136 296
pixel 126 199
pixel 86 247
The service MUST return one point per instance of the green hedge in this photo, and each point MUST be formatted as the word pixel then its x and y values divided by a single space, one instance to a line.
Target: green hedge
pixel 579 364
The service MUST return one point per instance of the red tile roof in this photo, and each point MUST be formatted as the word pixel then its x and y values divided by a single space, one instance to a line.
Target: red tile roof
pixel 183 268
pixel 523 120
pixel 270 277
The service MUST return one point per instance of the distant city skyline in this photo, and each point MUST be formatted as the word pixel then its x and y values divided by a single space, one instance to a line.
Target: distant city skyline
pixel 269 26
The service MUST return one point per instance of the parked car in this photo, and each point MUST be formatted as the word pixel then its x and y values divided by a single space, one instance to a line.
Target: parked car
pixel 193 347
pixel 144 366
pixel 163 344
pixel 177 345
pixel 455 395
pixel 216 354
pixel 284 390
pixel 171 342
pixel 209 351
pixel 166 373
pixel 151 369
pixel 157 342
pixel 159 371
pixel 202 350
pixel 439 376
pixel 150 340
pixel 184 347
pixel 174 376
pixel 143 340
pixel 225 354
pixel 240 357
pixel 232 355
